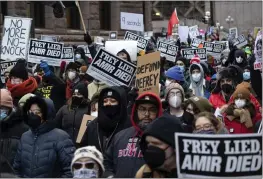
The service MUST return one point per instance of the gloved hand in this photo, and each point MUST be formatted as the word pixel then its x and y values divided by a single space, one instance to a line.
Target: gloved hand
pixel 87 38
pixel 44 66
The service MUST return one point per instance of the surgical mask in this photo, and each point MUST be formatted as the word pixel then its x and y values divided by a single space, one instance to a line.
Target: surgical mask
pixel 77 56
pixel 240 103
pixel 246 76
pixel 181 68
pixel 167 82
pixel 175 101
pixel 210 131
pixel 16 81
pixel 85 173
pixel 3 115
pixel 71 75
pixel 239 59
pixel 94 114
pixel 196 77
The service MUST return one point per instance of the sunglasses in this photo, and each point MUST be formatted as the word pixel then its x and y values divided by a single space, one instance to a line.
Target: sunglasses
pixel 83 165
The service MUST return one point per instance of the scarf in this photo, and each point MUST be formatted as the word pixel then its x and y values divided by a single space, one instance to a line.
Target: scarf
pixel 70 86
pixel 198 88
pixel 19 90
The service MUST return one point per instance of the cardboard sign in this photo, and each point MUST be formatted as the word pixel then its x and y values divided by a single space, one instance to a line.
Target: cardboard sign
pixel 183 33
pixel 83 127
pixel 167 50
pixel 214 49
pixel 68 54
pixel 240 41
pixel 4 66
pixel 193 31
pixel 51 52
pixel 141 42
pixel 49 38
pixel 132 21
pixel 148 73
pixel 196 42
pixel 258 47
pixel 113 35
pixel 233 31
pixel 111 69
pixel 200 155
pixel 86 50
pixel 15 38
pixel 190 53
pixel 129 45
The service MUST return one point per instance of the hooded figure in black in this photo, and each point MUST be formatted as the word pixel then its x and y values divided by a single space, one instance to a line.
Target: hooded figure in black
pixel 80 57
pixel 238 57
pixel 124 55
pixel 112 118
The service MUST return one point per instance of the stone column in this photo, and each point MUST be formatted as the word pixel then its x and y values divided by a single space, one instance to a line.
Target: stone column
pixel 115 15
pixel 17 8
pixel 148 16
pixel 94 17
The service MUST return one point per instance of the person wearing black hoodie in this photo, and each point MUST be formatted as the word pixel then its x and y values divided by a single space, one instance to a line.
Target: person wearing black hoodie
pixel 112 118
pixel 123 157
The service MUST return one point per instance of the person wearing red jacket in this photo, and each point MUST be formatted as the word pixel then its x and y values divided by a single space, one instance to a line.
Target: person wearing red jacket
pixel 240 116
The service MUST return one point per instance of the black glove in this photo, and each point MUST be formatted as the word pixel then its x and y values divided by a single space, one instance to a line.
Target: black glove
pixel 87 39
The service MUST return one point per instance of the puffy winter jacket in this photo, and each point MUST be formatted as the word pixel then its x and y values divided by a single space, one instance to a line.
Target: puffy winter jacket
pixel 123 157
pixel 94 87
pixel 217 100
pixel 44 153
pixel 70 120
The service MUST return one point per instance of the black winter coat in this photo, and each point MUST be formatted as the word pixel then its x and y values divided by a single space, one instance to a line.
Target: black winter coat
pixel 70 120
pixel 44 153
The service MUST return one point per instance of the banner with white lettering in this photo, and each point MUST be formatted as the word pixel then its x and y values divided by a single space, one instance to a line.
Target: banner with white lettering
pixel 214 49
pixel 68 54
pixel 51 52
pixel 208 156
pixel 196 42
pixel 240 42
pixel 15 38
pixel 141 41
pixel 193 31
pixel 167 50
pixel 4 66
pixel 111 69
pixel 190 53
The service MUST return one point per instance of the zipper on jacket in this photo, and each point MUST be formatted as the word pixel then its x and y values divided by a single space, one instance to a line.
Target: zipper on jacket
pixel 34 155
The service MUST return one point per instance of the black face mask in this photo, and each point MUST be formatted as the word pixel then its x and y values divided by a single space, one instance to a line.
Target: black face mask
pixel 154 157
pixel 76 101
pixel 34 121
pixel 227 88
pixel 111 111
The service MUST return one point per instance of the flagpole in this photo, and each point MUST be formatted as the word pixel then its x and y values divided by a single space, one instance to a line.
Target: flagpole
pixel 81 17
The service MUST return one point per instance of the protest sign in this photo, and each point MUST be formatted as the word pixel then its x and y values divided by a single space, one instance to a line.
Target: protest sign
pixel 141 42
pixel 183 33
pixel 193 31
pixel 49 38
pixel 167 50
pixel 111 69
pixel 196 42
pixel 219 156
pixel 132 21
pixel 113 35
pixel 256 30
pixel 234 32
pixel 86 50
pixel 148 73
pixel 148 35
pixel 83 127
pixel 214 49
pixel 257 65
pixel 240 41
pixel 116 46
pixel 51 52
pixel 15 38
pixel 258 47
pixel 99 40
pixel 4 66
pixel 68 54
pixel 190 53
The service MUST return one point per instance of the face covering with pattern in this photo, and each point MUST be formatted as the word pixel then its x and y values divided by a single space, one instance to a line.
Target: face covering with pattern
pixel 85 173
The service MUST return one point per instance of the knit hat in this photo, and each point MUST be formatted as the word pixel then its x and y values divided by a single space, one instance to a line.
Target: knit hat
pixel 19 70
pixel 244 85
pixel 88 152
pixel 72 66
pixel 83 69
pixel 201 103
pixel 6 98
pixel 175 73
pixel 195 59
pixel 242 93
pixel 110 94
pixel 23 100
pixel 183 59
pixel 82 89
pixel 174 86
pixel 163 128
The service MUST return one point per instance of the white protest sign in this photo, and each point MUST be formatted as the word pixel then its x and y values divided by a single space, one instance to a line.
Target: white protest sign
pixel 141 42
pixel 49 38
pixel 240 41
pixel 132 21
pixel 15 38
pixel 111 69
pixel 68 54
pixel 193 31
pixel 51 52
pixel 233 31
pixel 99 40
pixel 86 50
pixel 217 156
pixel 183 33
pixel 167 50
pixel 196 42
pixel 258 47
pixel 148 35
pixel 214 49
pixel 190 53
pixel 116 46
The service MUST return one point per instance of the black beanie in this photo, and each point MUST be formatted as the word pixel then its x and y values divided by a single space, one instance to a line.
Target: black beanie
pixel 73 66
pixel 82 89
pixel 163 128
pixel 111 94
pixel 19 70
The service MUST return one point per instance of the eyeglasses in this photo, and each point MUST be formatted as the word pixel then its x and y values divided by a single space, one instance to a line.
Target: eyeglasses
pixel 151 111
pixel 35 111
pixel 80 165
pixel 204 127
pixel 178 93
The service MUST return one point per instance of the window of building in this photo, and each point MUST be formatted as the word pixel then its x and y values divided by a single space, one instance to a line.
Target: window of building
pixel 73 18
pixel 39 15
pixel 105 15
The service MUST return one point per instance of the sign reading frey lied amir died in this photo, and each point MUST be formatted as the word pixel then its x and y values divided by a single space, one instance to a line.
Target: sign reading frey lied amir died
pixel 111 69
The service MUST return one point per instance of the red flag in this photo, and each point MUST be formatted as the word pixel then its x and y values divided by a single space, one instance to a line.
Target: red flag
pixel 173 20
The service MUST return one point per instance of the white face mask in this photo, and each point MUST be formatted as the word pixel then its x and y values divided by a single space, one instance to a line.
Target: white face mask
pixel 239 59
pixel 167 82
pixel 196 77
pixel 71 75
pixel 85 173
pixel 240 103
pixel 77 56
pixel 16 81
pixel 94 114
pixel 175 101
